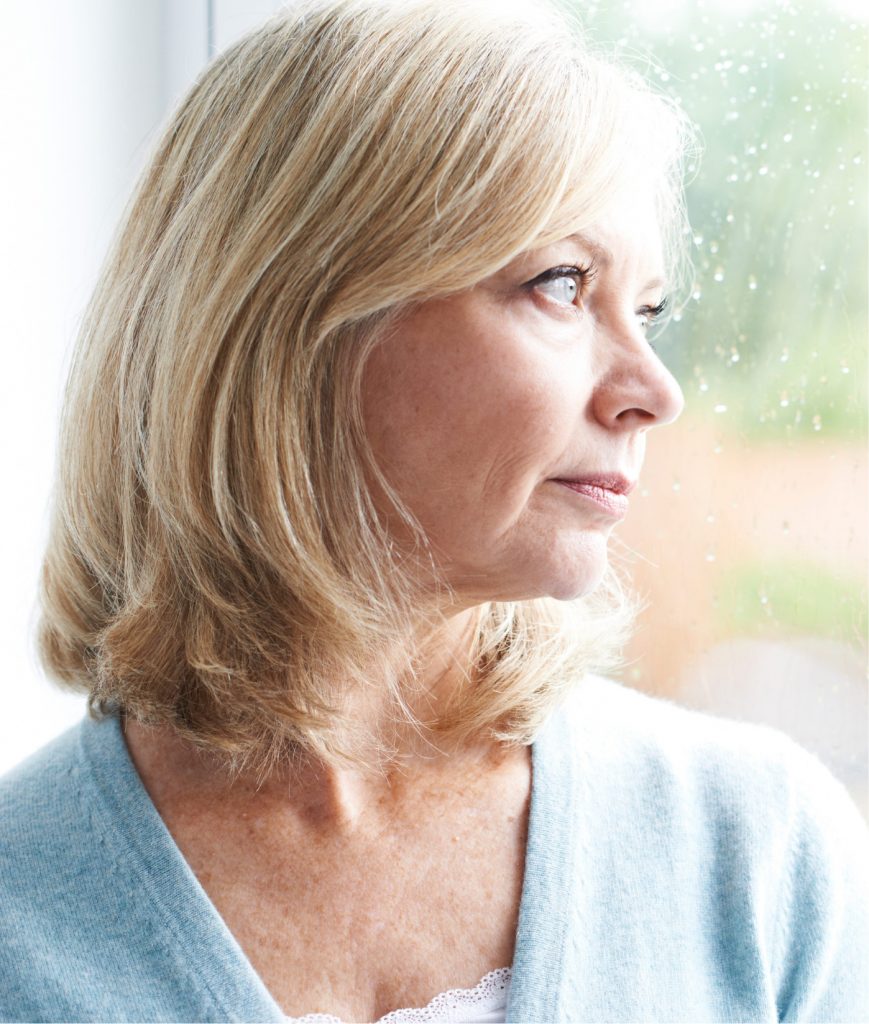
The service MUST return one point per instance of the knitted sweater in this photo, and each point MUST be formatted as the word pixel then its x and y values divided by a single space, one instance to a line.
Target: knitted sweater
pixel 679 867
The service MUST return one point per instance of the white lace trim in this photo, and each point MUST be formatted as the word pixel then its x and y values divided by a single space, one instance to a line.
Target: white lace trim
pixel 486 1002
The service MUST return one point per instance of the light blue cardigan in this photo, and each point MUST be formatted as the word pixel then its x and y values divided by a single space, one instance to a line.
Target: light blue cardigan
pixel 680 867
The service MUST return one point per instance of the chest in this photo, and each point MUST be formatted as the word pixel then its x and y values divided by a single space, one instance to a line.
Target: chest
pixel 362 927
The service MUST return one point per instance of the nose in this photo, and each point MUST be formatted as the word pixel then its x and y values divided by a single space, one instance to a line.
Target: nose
pixel 634 390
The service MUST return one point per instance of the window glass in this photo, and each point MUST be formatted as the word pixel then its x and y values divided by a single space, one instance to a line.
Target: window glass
pixel 748 537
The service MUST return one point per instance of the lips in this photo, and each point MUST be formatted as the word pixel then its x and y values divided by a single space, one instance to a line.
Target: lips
pixel 606 491
pixel 615 482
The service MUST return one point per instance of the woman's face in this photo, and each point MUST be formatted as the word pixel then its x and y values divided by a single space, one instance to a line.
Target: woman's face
pixel 480 403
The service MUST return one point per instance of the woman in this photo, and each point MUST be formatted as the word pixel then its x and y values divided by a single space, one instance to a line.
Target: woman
pixel 359 398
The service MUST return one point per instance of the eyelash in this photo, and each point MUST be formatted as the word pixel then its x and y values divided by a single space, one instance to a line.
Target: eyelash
pixel 586 274
pixel 582 276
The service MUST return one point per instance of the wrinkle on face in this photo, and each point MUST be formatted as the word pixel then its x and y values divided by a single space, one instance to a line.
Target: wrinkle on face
pixel 482 398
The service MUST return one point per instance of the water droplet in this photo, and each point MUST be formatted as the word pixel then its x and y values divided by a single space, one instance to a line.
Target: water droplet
pixel 752 283
pixel 784 401
pixel 710 519
pixel 763 598
pixel 729 218
pixel 677 486
pixel 718 275
pixel 710 556
pixel 846 369
pixel 788 136
pixel 785 356
pixel 721 407
pixel 713 247
pixel 695 295
pixel 858 159
pixel 698 239
pixel 763 171
pixel 816 422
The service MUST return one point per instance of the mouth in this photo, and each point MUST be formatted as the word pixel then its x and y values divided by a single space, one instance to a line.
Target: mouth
pixel 607 492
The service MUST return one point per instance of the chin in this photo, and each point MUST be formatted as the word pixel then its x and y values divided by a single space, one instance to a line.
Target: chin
pixel 572 589
pixel 566 582
pixel 576 570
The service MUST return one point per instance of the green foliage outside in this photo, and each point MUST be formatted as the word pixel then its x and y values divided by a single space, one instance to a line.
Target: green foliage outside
pixel 792 597
pixel 775 335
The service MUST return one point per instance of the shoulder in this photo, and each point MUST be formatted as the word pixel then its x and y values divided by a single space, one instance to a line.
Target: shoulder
pixel 771 844
pixel 52 869
pixel 708 767
pixel 55 816
pixel 45 833
pixel 702 754
pixel 38 797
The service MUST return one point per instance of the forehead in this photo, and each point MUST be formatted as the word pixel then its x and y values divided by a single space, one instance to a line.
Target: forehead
pixel 629 213
pixel 626 234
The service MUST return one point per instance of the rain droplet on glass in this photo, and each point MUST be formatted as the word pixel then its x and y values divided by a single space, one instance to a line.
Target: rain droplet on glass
pixel 721 407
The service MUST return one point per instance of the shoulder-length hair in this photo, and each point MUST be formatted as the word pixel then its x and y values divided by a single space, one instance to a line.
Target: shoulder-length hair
pixel 215 559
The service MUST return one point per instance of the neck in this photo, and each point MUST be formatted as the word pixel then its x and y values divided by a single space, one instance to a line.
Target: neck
pixel 323 797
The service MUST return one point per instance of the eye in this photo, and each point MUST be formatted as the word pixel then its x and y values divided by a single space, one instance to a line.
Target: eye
pixel 563 284
pixel 648 314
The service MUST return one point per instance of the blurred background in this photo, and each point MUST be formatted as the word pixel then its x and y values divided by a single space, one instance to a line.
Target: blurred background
pixel 748 536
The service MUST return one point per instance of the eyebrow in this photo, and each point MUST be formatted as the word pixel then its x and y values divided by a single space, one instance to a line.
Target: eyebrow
pixel 605 257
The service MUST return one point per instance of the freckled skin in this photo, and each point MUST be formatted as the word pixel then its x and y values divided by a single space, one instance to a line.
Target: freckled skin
pixel 479 400
pixel 356 897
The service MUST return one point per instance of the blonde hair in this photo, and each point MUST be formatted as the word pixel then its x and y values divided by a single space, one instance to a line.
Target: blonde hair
pixel 215 559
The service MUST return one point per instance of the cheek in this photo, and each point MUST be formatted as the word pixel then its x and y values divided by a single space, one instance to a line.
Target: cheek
pixel 467 429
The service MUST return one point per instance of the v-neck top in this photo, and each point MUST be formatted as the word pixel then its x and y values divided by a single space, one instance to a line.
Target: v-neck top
pixel 679 867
